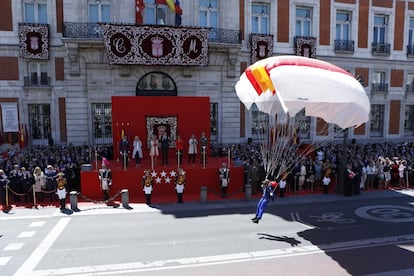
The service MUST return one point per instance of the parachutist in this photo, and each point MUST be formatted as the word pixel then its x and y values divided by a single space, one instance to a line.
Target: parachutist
pixel 268 188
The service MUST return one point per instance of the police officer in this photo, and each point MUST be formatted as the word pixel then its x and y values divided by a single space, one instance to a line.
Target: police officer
pixel 224 176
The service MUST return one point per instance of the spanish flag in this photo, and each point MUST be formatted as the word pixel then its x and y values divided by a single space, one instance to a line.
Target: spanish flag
pixel 174 7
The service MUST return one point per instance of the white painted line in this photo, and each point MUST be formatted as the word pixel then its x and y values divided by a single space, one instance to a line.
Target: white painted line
pixel 4 260
pixel 158 265
pixel 42 248
pixel 26 234
pixel 24 217
pixel 174 242
pixel 37 224
pixel 14 246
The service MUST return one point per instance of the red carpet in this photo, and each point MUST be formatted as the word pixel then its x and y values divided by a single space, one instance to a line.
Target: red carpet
pixel 197 176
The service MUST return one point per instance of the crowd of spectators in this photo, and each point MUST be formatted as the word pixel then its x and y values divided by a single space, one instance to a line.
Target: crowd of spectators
pixel 377 165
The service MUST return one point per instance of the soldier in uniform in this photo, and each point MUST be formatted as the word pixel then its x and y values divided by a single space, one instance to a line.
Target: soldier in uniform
pixel 147 186
pixel 61 190
pixel 224 176
pixel 105 179
pixel 180 184
pixel 124 151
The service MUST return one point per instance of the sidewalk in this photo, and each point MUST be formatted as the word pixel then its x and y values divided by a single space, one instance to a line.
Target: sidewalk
pixel 237 201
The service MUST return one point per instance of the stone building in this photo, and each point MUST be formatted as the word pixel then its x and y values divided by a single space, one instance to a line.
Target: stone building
pixel 57 75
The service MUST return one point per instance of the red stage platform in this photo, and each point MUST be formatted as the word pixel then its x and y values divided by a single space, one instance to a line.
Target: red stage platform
pixel 164 187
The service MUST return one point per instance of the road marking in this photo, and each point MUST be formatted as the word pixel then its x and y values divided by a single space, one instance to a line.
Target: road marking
pixel 174 242
pixel 386 213
pixel 158 265
pixel 14 246
pixel 4 260
pixel 42 248
pixel 296 217
pixel 37 224
pixel 26 234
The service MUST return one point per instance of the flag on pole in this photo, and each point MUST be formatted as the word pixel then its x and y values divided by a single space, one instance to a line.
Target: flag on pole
pixel 174 7
pixel 139 7
pixel 122 133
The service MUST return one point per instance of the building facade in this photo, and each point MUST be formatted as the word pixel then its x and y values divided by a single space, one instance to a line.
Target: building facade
pixel 57 75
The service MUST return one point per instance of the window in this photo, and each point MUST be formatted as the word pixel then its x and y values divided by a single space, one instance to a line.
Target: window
pixel 102 123
pixel 99 11
pixel 377 120
pixel 259 124
pixel 410 47
pixel 35 12
pixel 303 125
pixel 39 123
pixel 409 120
pixel 38 74
pixel 379 82
pixel 156 18
pixel 303 22
pixel 260 18
pixel 411 32
pixel 410 82
pixel 380 26
pixel 343 29
pixel 208 13
pixel 213 120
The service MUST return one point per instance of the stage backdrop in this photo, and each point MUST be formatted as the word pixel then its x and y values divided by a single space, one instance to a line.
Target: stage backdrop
pixel 140 115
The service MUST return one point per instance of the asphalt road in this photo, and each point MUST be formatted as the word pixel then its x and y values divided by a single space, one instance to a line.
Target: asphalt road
pixel 369 234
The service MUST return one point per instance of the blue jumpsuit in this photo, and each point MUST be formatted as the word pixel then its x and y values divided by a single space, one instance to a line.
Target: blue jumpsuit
pixel 268 193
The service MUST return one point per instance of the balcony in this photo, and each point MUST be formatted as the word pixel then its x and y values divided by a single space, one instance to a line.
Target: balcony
pixel 409 90
pixel 344 46
pixel 379 89
pixel 381 49
pixel 410 50
pixel 94 30
pixel 35 81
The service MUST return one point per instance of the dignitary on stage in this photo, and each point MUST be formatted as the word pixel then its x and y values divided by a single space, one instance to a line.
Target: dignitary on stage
pixel 137 151
pixel 192 149
pixel 153 151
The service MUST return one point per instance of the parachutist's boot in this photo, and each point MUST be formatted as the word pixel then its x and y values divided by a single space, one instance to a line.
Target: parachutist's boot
pixel 255 220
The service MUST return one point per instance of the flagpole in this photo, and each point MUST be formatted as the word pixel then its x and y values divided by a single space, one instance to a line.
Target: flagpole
pixel 156 12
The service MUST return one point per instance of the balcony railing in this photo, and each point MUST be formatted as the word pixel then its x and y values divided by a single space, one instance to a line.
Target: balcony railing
pixel 344 45
pixel 410 50
pixel 379 87
pixel 381 48
pixel 94 30
pixel 34 81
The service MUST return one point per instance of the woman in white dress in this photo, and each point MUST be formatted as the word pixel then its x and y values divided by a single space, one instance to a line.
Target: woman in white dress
pixel 154 151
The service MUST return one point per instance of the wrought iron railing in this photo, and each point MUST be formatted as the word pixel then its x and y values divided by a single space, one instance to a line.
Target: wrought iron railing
pixel 94 30
pixel 381 48
pixel 410 50
pixel 34 81
pixel 344 45
pixel 379 87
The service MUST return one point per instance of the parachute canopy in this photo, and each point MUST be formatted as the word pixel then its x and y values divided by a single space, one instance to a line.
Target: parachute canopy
pixel 289 84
